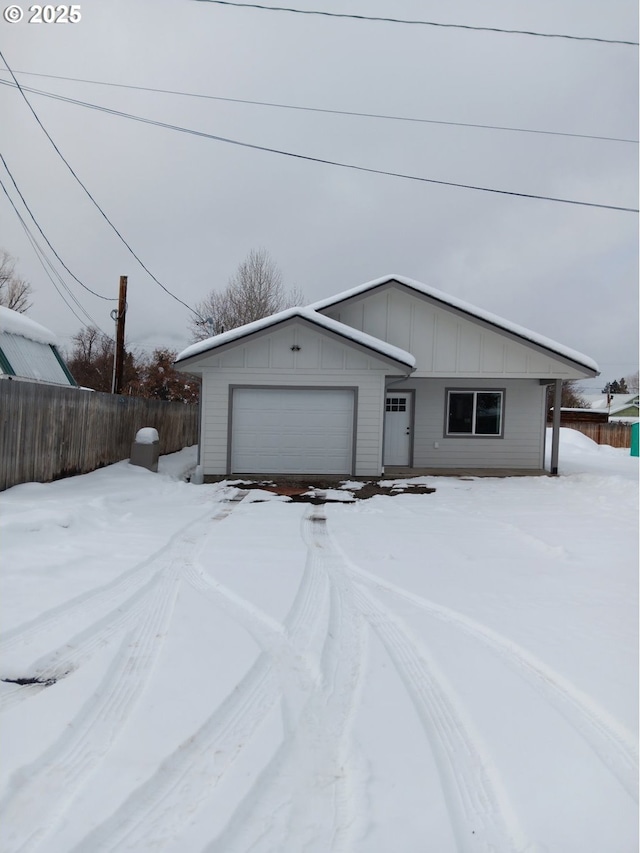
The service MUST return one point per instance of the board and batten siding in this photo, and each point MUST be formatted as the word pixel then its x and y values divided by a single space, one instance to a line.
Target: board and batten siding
pixel 319 362
pixel 445 343
pixel 522 445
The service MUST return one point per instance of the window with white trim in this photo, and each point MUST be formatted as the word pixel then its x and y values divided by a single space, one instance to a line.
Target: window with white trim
pixel 475 413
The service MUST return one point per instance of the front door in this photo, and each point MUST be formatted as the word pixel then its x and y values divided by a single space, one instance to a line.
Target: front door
pixel 397 428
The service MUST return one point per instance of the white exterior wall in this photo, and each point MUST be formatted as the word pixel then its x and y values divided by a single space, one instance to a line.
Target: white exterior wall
pixel 522 445
pixel 445 344
pixel 269 361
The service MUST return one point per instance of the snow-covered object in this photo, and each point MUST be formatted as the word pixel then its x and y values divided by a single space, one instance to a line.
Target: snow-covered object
pixel 468 308
pixel 15 323
pixel 375 344
pixel 147 435
pixel 29 350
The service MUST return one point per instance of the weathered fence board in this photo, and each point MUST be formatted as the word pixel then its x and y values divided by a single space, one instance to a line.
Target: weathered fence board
pixel 48 432
pixel 617 435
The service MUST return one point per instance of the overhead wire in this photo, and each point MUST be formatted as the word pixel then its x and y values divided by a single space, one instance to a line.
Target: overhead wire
pixel 301 108
pixel 46 239
pixel 387 20
pixel 308 158
pixel 90 196
pixel 46 262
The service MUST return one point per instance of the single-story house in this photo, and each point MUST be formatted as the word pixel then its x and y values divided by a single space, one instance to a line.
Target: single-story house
pixel 391 376
pixel 29 352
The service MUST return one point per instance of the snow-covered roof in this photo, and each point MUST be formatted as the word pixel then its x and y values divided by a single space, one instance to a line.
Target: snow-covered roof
pixel 15 323
pixel 611 402
pixel 467 308
pixel 576 409
pixel 348 332
pixel 27 351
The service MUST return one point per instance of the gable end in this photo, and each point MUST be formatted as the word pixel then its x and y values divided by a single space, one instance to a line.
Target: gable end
pixel 511 332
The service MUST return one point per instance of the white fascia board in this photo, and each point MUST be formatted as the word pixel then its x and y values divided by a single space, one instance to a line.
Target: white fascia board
pixel 375 345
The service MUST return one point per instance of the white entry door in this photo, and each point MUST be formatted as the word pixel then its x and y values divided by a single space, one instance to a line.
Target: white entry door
pixel 397 428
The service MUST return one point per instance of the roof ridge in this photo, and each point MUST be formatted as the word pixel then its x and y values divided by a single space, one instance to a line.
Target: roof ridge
pixel 458 304
pixel 378 345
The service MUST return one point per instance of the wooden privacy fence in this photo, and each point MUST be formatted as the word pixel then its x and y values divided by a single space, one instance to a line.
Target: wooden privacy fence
pixel 617 435
pixel 47 432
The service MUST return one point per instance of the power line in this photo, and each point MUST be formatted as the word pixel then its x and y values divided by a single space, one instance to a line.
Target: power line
pixel 44 261
pixel 419 23
pixel 68 165
pixel 323 110
pixel 46 239
pixel 353 166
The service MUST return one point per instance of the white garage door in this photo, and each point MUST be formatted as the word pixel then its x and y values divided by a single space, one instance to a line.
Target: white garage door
pixel 292 431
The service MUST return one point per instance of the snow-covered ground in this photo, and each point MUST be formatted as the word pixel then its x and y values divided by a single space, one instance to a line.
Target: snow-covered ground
pixel 445 672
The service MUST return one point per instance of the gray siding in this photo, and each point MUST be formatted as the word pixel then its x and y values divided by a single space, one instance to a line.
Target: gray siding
pixel 521 447
pixel 270 361
pixel 445 343
pixel 448 347
pixel 368 452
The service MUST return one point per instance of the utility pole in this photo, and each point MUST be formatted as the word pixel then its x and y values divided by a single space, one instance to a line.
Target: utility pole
pixel 118 316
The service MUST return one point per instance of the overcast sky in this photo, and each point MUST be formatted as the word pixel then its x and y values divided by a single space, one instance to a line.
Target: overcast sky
pixel 192 208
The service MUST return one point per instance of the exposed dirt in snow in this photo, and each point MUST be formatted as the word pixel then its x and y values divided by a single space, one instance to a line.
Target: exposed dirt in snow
pixel 323 491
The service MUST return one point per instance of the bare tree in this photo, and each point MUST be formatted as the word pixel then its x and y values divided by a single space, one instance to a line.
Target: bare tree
pixel 153 376
pixel 15 292
pixel 159 380
pixel 571 397
pixel 91 362
pixel 253 292
pixel 632 383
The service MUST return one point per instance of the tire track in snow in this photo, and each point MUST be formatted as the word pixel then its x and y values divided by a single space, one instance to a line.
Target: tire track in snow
pixel 79 649
pixel 65 660
pixel 326 773
pixel 305 797
pixel 608 739
pixel 159 809
pixel 46 789
pixel 93 603
pixel 268 633
pixel 481 816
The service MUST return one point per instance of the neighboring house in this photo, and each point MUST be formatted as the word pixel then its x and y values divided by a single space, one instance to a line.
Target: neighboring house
pixel 29 352
pixel 617 406
pixel 570 415
pixel 392 375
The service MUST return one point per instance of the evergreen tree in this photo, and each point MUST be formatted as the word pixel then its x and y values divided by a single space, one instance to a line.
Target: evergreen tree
pixel 618 386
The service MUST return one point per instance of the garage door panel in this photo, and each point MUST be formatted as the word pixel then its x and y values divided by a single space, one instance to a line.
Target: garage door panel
pixel 289 431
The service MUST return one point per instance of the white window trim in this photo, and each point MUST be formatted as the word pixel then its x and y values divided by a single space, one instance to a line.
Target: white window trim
pixel 474 392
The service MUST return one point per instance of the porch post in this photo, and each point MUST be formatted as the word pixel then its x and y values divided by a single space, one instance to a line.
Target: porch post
pixel 555 434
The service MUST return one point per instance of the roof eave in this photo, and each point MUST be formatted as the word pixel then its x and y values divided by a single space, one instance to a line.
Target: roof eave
pixel 190 363
pixel 377 284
